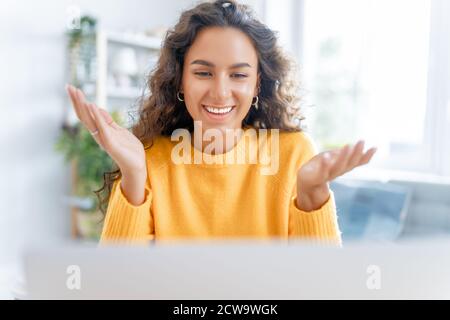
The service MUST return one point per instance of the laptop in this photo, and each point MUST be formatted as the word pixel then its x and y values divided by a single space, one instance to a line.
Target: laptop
pixel 241 270
pixel 371 210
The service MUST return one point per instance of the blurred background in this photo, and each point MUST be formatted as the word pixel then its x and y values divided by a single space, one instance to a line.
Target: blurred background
pixel 373 70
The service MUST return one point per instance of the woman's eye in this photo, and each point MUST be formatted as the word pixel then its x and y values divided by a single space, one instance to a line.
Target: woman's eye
pixel 240 75
pixel 208 74
pixel 202 73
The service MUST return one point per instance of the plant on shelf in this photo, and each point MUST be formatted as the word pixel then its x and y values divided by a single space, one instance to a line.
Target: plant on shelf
pixel 89 162
pixel 88 25
pixel 82 52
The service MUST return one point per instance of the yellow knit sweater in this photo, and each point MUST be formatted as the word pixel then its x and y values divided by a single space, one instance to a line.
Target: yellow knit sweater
pixel 221 200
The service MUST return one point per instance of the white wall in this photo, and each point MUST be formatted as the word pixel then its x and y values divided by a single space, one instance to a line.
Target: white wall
pixel 32 98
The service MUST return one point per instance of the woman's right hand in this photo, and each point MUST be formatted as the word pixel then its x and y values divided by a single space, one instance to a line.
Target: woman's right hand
pixel 121 145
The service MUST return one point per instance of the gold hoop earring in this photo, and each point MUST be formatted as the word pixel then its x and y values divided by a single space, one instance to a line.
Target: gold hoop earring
pixel 255 104
pixel 178 96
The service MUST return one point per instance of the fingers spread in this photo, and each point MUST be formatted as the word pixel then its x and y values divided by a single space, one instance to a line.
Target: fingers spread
pixel 341 162
pixel 80 104
pixel 356 155
pixel 100 122
pixel 335 163
pixel 87 117
pixel 108 119
pixel 367 156
pixel 74 100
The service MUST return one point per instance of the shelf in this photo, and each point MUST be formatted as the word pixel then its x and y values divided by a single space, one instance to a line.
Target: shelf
pixel 116 93
pixel 141 41
pixel 105 39
pixel 123 93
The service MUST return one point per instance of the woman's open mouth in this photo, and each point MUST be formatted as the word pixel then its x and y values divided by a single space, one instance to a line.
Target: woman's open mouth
pixel 218 113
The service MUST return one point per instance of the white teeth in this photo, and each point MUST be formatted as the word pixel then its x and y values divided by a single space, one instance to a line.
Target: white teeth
pixel 218 110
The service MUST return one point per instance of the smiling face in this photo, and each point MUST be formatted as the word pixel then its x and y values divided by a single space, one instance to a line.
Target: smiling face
pixel 220 78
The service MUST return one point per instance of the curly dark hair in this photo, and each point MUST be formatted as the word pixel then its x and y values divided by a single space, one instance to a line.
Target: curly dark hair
pixel 161 112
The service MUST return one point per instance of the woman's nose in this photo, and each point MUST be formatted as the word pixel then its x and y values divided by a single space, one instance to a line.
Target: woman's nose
pixel 221 89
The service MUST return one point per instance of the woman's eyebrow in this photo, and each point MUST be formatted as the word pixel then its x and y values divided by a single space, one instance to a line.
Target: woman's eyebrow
pixel 210 64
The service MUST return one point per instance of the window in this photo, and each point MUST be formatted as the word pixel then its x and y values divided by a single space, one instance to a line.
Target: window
pixel 365 68
pixel 376 70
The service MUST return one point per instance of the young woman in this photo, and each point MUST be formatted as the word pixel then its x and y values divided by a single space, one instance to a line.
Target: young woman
pixel 220 70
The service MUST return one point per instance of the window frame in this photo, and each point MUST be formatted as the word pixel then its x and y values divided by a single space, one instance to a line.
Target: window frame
pixel 437 122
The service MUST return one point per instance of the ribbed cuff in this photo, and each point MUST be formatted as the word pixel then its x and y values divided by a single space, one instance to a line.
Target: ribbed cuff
pixel 125 222
pixel 320 224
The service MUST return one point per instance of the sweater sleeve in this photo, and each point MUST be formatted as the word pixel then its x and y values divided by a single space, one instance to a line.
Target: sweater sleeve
pixel 318 225
pixel 126 223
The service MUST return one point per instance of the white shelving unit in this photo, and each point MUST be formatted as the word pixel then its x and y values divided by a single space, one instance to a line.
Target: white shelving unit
pixel 105 40
pixel 152 43
pixel 101 90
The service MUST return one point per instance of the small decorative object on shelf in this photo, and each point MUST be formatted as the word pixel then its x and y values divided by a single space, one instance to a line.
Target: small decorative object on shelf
pixel 125 68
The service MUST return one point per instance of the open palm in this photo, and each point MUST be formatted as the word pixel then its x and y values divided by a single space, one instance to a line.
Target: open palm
pixel 326 166
pixel 121 145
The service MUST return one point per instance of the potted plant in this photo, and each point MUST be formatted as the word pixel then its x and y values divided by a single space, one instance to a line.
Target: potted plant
pixel 82 50
pixel 89 162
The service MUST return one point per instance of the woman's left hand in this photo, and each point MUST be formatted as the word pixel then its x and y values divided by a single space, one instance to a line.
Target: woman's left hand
pixel 314 175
